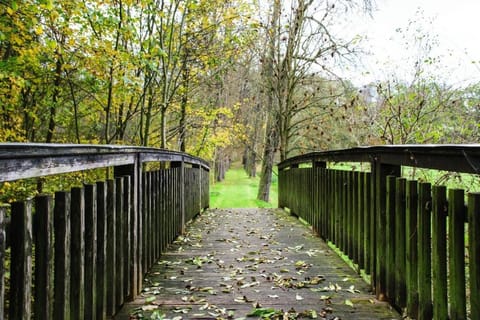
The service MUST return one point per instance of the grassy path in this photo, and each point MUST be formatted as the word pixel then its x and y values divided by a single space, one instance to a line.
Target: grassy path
pixel 240 191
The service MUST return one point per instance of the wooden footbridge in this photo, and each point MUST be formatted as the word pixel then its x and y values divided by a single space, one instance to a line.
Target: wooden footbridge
pixel 140 243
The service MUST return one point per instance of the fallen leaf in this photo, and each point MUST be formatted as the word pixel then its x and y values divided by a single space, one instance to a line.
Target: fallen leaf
pixel 349 303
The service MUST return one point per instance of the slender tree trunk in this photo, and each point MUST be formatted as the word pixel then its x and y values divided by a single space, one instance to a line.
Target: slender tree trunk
pixel 56 93
pixel 271 139
pixel 268 160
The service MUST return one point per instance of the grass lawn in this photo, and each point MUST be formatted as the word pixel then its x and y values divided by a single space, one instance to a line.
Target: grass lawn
pixel 240 191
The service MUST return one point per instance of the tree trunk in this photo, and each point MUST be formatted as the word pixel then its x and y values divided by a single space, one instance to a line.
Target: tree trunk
pixel 271 145
pixel 271 140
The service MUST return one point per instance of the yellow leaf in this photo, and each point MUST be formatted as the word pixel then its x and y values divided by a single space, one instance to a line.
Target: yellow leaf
pixel 39 30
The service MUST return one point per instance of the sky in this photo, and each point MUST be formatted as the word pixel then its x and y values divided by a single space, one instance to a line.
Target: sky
pixel 456 24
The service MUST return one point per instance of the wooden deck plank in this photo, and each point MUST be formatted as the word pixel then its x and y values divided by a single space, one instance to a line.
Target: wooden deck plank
pixel 231 261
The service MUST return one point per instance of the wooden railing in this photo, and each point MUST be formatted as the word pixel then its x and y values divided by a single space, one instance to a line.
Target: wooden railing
pixel 80 254
pixel 419 243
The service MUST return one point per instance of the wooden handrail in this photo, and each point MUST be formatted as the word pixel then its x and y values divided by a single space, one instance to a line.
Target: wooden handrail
pixel 95 242
pixel 29 160
pixel 407 235
pixel 458 158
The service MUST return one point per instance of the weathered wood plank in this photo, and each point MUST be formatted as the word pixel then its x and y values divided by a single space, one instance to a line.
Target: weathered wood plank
pixel 21 260
pixel 61 222
pixel 111 262
pixel 175 272
pixel 127 237
pixel 44 257
pixel 400 244
pixel 456 253
pixel 474 253
pixel 101 274
pixel 119 243
pixel 381 171
pixel 412 248
pixel 90 251
pixel 439 252
pixel 390 245
pixel 3 213
pixel 77 245
pixel 424 251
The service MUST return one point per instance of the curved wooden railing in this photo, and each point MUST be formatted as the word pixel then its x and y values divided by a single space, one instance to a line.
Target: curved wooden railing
pixel 87 249
pixel 410 237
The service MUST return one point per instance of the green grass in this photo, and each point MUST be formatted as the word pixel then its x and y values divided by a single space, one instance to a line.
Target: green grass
pixel 240 191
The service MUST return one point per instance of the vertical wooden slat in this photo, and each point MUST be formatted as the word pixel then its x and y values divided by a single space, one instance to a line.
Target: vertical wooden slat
pixel 474 253
pixel 90 251
pixel 44 254
pixel 21 260
pixel 400 244
pixel 156 215
pixel 111 262
pixel 127 237
pixel 361 220
pixel 101 275
pixel 144 230
pixel 119 241
pixel 456 253
pixel 61 222
pixel 381 171
pixel 3 213
pixel 77 245
pixel 367 224
pixel 424 251
pixel 412 249
pixel 390 239
pixel 132 202
pixel 352 223
pixel 148 218
pixel 439 252
pixel 373 238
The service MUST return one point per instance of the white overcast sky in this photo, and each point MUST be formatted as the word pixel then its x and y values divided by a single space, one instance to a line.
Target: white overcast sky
pixel 455 22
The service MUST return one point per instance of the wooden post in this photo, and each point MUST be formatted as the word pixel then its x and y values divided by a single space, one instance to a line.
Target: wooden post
pixel 474 253
pixel 3 213
pixel 412 248
pixel 400 244
pixel 133 227
pixel 381 171
pixel 424 252
pixel 77 284
pixel 119 242
pixel 439 252
pixel 101 275
pixel 90 251
pixel 61 222
pixel 361 220
pixel 44 254
pixel 367 223
pixel 21 260
pixel 181 195
pixel 390 248
pixel 127 238
pixel 456 253
pixel 111 262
